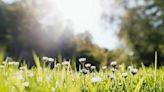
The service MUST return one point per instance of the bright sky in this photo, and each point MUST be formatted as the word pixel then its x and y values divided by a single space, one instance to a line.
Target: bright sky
pixel 86 15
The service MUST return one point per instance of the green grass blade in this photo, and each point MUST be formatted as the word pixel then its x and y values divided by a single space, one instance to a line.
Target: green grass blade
pixel 139 85
pixel 2 54
pixel 155 72
pixel 36 60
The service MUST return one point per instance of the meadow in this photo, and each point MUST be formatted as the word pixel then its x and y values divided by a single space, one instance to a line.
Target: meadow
pixel 63 78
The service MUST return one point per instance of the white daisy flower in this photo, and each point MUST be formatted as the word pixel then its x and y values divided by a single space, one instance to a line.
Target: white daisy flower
pixel 113 63
pixel 39 79
pixel 50 59
pixel 45 58
pixel 96 79
pixel 19 77
pixel 25 84
pixel 65 63
pixel 82 60
pixel 93 67
pixel 130 67
pixel 87 65
pixel 2 66
pixel 134 71
pixel 52 89
pixel 104 67
pixel 124 75
pixel 58 83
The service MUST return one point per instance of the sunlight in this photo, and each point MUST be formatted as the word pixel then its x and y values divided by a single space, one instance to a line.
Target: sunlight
pixel 84 14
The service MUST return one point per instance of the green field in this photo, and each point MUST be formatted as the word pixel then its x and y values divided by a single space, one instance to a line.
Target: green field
pixel 63 78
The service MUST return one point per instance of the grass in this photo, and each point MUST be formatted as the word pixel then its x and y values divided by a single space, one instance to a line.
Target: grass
pixel 64 79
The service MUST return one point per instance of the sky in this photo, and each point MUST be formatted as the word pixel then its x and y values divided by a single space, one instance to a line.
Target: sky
pixel 87 15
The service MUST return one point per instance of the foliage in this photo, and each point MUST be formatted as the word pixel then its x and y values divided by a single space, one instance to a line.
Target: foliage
pixel 63 79
pixel 142 29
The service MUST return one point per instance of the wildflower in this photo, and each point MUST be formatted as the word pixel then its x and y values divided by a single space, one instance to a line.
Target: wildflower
pixel 19 77
pixel 57 65
pixel 119 67
pixel 96 79
pixel 25 84
pixel 52 89
pixel 82 60
pixel 119 84
pixel 134 71
pixel 13 63
pixel 50 59
pixel 58 83
pixel 39 79
pixel 87 65
pixel 45 58
pixel 104 67
pixel 114 70
pixel 65 63
pixel 93 67
pixel 4 62
pixel 113 77
pixel 124 75
pixel 84 71
pixel 30 74
pixel 22 68
pixel 1 66
pixel 113 63
pixel 130 67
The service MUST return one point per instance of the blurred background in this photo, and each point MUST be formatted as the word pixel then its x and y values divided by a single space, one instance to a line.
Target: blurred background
pixel 126 31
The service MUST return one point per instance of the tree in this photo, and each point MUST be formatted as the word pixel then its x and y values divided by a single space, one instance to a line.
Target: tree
pixel 142 29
